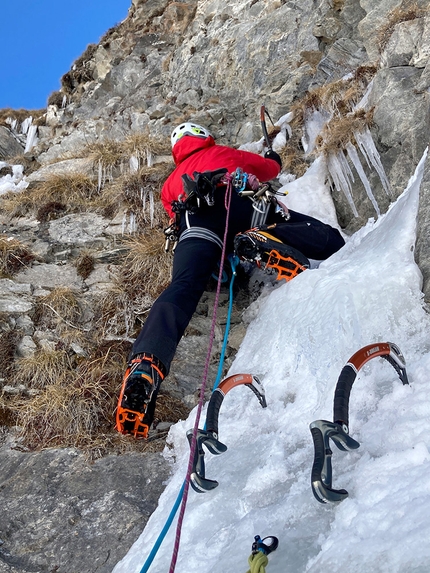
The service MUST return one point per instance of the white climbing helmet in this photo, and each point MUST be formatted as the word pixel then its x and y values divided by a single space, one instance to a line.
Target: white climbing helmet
pixel 188 129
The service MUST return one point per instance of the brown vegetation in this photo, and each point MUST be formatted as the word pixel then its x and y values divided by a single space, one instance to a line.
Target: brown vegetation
pixel 338 132
pixel 65 393
pixel 400 14
pixel 20 115
pixel 14 256
pixel 61 401
pixel 337 101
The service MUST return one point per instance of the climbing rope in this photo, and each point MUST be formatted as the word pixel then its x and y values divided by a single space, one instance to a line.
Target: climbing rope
pixel 202 389
pixel 257 563
pixel 234 261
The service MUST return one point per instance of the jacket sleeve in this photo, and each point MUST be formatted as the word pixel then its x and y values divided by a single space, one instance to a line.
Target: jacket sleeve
pixel 263 168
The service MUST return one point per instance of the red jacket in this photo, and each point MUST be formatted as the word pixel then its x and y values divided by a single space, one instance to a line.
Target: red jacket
pixel 196 154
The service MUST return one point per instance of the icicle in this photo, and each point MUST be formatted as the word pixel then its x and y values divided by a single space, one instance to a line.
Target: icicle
pixel 151 207
pixel 134 164
pixel 132 224
pixel 64 102
pixel 362 104
pixel 340 174
pixel 143 199
pixel 315 120
pixel 31 138
pixel 149 158
pixel 367 147
pixel 353 156
pixel 17 173
pixel 108 173
pixel 124 222
pixel 100 176
pixel 25 125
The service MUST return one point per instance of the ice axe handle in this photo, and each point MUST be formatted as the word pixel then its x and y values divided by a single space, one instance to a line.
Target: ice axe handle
pixel 264 127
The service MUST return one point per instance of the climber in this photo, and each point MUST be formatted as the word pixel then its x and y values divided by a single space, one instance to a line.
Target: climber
pixel 200 229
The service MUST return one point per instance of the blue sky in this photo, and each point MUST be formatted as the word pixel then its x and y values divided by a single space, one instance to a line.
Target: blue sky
pixel 40 40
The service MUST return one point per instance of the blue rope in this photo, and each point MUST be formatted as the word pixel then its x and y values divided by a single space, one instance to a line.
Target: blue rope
pixel 234 261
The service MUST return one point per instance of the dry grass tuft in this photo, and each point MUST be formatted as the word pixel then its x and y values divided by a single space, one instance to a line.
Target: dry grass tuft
pixel 20 115
pixel 139 144
pixel 59 309
pixel 338 132
pixel 72 189
pixel 8 344
pixel 73 405
pixel 56 196
pixel 292 154
pixel 14 256
pixel 147 264
pixel 400 14
pixel 143 275
pixel 336 100
pixel 169 409
pixel 111 153
pixel 29 163
pixel 338 97
pixel 107 153
pixel 85 264
pixel 45 368
pixel 50 211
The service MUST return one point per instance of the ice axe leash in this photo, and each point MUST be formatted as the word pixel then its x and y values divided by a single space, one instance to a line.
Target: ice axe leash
pixel 338 430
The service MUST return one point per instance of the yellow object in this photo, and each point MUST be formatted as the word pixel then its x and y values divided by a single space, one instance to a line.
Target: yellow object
pixel 257 562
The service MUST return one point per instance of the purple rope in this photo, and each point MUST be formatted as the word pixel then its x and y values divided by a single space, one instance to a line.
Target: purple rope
pixel 193 444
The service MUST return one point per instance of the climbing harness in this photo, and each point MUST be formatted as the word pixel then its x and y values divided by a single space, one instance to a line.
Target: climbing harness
pixel 209 436
pixel 200 192
pixel 338 430
pixel 261 548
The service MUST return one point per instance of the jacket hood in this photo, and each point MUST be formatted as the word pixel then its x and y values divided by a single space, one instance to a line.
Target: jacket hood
pixel 188 145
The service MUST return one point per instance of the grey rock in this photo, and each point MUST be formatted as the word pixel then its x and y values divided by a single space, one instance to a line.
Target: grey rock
pixel 26 347
pixel 79 229
pixel 215 62
pixel 10 147
pixel 342 58
pixel 423 232
pixel 65 167
pixel 48 276
pixel 62 513
pixel 402 47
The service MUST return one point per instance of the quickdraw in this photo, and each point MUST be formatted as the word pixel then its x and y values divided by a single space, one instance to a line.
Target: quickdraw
pixel 338 430
pixel 209 436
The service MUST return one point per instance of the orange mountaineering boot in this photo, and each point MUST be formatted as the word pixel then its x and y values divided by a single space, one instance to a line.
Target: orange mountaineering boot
pixel 259 245
pixel 136 404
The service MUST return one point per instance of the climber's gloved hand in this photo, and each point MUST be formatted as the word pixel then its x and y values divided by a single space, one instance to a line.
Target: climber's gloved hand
pixel 270 154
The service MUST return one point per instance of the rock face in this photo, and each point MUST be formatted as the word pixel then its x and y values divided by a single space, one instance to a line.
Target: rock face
pixel 214 62
pixel 61 514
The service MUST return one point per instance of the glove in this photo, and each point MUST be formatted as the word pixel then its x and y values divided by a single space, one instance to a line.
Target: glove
pixel 273 155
